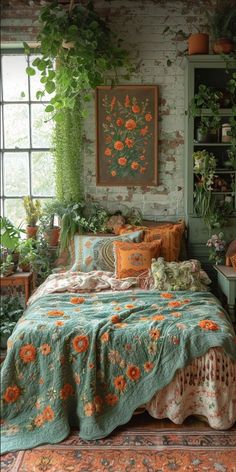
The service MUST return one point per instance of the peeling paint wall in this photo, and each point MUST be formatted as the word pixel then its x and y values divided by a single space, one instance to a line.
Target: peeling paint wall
pixel 157 56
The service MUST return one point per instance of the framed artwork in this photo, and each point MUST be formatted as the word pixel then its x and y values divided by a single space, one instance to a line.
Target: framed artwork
pixel 127 127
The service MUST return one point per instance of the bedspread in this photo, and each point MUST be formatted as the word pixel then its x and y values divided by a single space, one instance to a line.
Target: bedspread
pixel 90 361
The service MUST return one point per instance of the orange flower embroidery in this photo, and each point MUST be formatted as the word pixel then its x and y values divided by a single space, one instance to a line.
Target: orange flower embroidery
pixel 174 304
pixel 129 142
pixel 77 300
pixel 113 173
pixel 120 383
pixel 148 366
pixel 135 109
pixel 120 325
pixel 119 122
pixel 176 314
pixel 122 161
pixel 89 409
pixel 111 399
pixel 148 117
pixel 130 125
pixel 55 313
pixel 187 300
pixel 155 334
pixel 105 337
pixel 166 295
pixel 119 145
pixel 133 372
pixel 39 420
pixel 59 323
pixel 45 349
pixel 129 306
pixel 98 403
pixel 158 317
pixel 115 319
pixel 27 353
pixel 208 325
pixel 107 152
pixel 80 343
pixel 117 308
pixel 12 394
pixel 48 413
pixel 134 165
pixel 66 391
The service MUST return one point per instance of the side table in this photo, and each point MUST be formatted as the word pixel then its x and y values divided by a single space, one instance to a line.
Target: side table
pixel 226 277
pixel 24 279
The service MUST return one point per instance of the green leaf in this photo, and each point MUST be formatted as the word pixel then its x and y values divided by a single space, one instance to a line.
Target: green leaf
pixel 39 94
pixel 49 108
pixel 30 71
pixel 26 48
pixel 50 87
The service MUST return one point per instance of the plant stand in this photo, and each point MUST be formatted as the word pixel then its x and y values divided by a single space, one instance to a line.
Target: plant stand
pixel 17 279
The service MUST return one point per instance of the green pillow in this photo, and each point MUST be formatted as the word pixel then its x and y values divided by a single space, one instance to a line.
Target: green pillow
pixel 186 275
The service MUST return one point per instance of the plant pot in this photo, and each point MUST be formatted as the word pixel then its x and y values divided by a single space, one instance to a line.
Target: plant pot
pixel 31 231
pixel 223 46
pixel 15 259
pixel 52 236
pixel 9 270
pixel 24 266
pixel 210 136
pixel 198 44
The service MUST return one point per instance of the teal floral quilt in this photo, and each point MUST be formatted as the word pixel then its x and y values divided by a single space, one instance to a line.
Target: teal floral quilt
pixel 89 360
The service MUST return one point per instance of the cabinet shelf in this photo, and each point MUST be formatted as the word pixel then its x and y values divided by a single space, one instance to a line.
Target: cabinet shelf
pixel 211 144
pixel 220 171
pixel 222 112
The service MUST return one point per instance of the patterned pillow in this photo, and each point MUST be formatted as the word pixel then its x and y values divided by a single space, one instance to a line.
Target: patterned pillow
pixel 171 235
pixel 133 259
pixel 186 275
pixel 96 252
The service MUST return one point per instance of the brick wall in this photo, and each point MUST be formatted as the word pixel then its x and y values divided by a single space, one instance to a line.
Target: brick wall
pixel 158 58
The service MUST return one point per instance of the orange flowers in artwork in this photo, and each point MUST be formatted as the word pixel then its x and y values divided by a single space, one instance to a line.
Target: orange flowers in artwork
pixel 130 124
pixel 118 145
pixel 122 161
pixel 208 325
pixel 80 343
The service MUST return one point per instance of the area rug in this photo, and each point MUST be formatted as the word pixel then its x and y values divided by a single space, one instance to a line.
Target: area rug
pixel 133 449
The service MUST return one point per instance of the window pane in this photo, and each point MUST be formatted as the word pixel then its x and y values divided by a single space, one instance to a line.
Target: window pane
pixel 16 173
pixel 14 210
pixel 14 78
pixel 42 174
pixel 16 126
pixel 41 129
pixel 36 85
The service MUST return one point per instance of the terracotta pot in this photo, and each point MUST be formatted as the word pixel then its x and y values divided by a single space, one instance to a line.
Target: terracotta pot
pixel 198 44
pixel 15 259
pixel 31 231
pixel 52 236
pixel 223 46
pixel 25 267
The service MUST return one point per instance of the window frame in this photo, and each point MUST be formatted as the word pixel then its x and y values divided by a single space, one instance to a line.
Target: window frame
pixel 14 49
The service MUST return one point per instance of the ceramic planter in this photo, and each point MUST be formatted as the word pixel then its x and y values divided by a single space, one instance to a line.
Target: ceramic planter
pixel 198 44
pixel 223 46
pixel 52 236
pixel 31 231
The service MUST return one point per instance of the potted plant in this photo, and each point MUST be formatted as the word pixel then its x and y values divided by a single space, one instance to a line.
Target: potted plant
pixel 33 213
pixel 7 266
pixel 205 106
pixel 204 169
pixel 11 310
pixel 198 43
pixel 223 27
pixel 27 250
pixel 51 231
pixel 10 240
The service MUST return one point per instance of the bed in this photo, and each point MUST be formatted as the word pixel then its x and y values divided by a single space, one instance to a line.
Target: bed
pixel 91 349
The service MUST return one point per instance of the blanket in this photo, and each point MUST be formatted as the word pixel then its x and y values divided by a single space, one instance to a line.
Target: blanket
pixel 89 361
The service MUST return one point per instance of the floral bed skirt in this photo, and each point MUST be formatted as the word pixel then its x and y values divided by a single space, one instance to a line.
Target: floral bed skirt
pixel 206 388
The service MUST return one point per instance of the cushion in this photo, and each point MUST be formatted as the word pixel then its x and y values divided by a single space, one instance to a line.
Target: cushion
pixel 96 252
pixel 133 259
pixel 186 275
pixel 129 229
pixel 171 235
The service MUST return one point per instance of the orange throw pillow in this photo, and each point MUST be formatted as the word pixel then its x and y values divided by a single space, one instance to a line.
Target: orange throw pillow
pixel 171 236
pixel 132 259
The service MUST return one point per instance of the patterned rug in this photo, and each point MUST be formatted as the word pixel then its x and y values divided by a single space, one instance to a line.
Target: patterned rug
pixel 135 448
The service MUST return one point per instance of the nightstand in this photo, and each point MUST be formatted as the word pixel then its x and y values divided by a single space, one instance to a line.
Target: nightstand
pixel 226 277
pixel 17 279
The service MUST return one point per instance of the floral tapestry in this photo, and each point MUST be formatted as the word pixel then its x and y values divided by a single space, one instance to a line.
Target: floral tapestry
pixel 127 135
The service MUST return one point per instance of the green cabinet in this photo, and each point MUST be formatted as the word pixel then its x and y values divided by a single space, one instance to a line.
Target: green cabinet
pixel 209 70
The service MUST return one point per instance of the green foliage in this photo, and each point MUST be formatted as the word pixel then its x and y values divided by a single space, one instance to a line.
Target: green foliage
pixel 32 209
pixel 7 266
pixel 43 258
pixel 11 310
pixel 51 209
pixel 10 235
pixel 223 20
pixel 84 47
pixel 208 99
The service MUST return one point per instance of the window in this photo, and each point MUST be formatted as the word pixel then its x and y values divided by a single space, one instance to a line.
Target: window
pixel 26 138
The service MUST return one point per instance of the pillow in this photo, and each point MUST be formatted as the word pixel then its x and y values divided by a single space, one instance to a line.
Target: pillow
pixel 129 228
pixel 133 259
pixel 96 252
pixel 186 275
pixel 171 235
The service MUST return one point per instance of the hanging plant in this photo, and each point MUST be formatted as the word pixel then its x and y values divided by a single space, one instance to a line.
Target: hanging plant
pixel 84 50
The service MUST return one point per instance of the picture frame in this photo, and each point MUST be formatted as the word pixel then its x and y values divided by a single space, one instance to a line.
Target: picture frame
pixel 127 135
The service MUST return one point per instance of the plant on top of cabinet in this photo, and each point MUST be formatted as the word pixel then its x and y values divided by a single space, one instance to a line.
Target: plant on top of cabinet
pixel 206 105
pixel 222 23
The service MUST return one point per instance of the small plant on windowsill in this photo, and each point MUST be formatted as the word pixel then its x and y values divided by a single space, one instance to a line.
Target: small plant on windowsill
pixel 217 247
pixel 33 212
